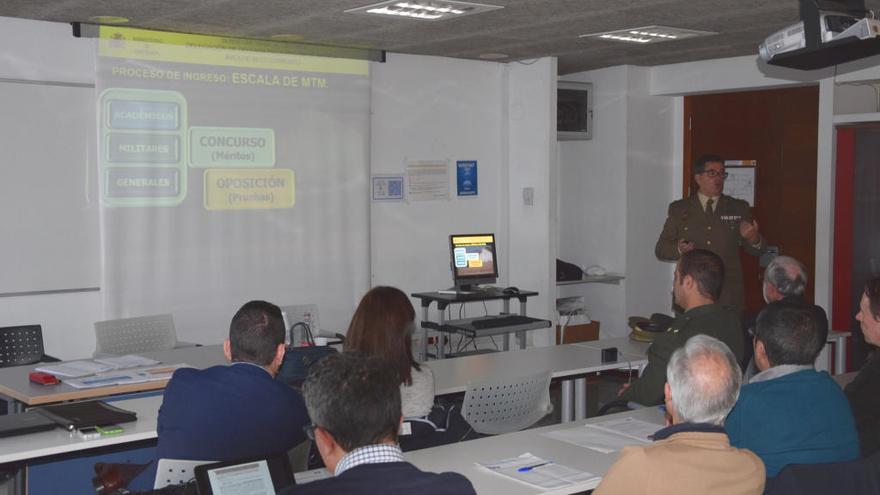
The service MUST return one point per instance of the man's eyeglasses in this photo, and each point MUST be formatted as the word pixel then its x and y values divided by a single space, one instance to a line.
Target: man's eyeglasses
pixel 309 430
pixel 715 173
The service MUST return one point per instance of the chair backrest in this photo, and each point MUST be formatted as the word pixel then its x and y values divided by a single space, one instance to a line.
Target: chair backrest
pixel 21 345
pixel 507 404
pixel 860 476
pixel 131 335
pixel 175 472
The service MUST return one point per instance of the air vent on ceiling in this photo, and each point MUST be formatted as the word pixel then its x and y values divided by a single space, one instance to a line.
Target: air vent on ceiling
pixel 424 10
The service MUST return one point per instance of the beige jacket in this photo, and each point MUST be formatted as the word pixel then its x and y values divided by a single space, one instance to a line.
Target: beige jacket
pixel 686 463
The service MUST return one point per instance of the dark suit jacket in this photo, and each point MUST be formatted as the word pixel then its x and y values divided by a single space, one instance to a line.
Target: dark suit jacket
pixel 228 412
pixel 864 399
pixel 719 234
pixel 390 478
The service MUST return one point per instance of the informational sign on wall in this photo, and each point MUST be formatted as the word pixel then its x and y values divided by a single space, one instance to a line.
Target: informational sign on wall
pixel 387 187
pixel 740 184
pixel 466 177
pixel 427 180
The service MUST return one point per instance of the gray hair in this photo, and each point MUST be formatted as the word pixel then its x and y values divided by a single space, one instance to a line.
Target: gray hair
pixel 787 274
pixel 704 379
pixel 355 398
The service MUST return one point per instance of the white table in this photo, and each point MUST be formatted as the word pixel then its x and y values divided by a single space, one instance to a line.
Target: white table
pixel 34 446
pixel 568 363
pixel 15 385
pixel 462 457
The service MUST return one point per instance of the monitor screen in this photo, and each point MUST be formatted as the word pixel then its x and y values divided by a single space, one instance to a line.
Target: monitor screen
pixel 474 259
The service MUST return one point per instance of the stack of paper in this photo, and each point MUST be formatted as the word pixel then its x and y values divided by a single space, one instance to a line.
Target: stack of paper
pixel 125 377
pixel 539 472
pixel 77 369
pixel 74 369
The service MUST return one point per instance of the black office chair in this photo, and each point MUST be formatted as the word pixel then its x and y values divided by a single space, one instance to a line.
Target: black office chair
pixel 22 344
pixel 860 476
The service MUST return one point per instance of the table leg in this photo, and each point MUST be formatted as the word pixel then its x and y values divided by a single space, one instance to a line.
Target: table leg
pixel 567 398
pixel 424 345
pixel 441 352
pixel 521 339
pixel 580 399
pixel 505 344
pixel 17 483
pixel 840 356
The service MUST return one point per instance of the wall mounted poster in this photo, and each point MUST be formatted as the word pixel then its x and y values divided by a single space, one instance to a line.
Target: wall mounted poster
pixel 466 177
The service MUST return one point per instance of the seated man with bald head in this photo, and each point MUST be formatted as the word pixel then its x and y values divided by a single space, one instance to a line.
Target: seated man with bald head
pixel 692 454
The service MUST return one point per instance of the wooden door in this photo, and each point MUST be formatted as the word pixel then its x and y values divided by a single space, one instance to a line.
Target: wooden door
pixel 778 128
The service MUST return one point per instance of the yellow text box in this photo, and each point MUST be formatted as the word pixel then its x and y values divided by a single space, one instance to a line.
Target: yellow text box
pixel 249 189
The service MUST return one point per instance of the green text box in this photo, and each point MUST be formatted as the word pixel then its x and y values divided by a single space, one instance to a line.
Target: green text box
pixel 235 147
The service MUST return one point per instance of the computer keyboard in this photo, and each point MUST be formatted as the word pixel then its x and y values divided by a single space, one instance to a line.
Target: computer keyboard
pixel 502 321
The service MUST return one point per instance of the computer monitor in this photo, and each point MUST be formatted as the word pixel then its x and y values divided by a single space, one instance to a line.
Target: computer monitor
pixel 473 259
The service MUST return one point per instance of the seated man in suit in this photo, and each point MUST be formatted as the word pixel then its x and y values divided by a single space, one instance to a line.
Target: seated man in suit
pixel 785 280
pixel 699 277
pixel 691 455
pixel 790 413
pixel 229 412
pixel 354 403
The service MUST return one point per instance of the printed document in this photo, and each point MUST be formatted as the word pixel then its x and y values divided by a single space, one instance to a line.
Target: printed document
pixel 539 472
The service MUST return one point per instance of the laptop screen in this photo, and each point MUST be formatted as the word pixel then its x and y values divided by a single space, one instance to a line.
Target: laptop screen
pixel 245 477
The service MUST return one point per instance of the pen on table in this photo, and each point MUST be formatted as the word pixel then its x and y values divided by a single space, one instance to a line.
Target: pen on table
pixel 526 469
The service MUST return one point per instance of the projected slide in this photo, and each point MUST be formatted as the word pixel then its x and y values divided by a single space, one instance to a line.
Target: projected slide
pixel 229 170
pixel 211 112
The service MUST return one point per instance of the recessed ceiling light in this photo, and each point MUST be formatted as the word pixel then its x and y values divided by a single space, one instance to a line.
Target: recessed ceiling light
pixel 648 34
pixel 424 10
pixel 493 56
pixel 108 19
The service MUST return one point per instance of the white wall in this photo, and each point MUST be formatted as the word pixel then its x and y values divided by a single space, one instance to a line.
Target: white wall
pixel 532 157
pixel 614 190
pixel 44 51
pixel 593 204
pixel 433 108
pixel 652 182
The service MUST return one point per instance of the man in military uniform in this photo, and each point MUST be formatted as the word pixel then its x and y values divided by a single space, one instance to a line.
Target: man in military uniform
pixel 710 220
pixel 699 276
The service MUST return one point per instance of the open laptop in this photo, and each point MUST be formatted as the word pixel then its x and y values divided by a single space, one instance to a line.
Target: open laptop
pixel 253 476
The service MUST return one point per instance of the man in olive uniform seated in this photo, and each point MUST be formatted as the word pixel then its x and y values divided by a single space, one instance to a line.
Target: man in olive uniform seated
pixel 699 277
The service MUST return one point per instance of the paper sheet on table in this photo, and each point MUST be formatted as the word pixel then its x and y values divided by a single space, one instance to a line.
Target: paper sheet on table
pixel 629 427
pixel 73 369
pixel 127 361
pixel 536 471
pixel 607 436
pixel 126 377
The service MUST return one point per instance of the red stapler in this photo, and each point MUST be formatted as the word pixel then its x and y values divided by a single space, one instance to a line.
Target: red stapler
pixel 43 378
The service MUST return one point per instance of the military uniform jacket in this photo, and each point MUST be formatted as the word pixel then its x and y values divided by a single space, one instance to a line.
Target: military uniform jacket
pixel 713 320
pixel 720 234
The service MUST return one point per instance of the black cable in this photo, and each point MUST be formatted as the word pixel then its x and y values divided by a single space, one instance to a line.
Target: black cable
pixel 310 340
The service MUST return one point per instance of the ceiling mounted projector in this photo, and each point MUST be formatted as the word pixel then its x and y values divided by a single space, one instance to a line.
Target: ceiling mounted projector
pixel 831 24
pixel 830 33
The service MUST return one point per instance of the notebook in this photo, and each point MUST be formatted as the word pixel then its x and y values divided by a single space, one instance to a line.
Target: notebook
pixel 86 414
pixel 24 423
